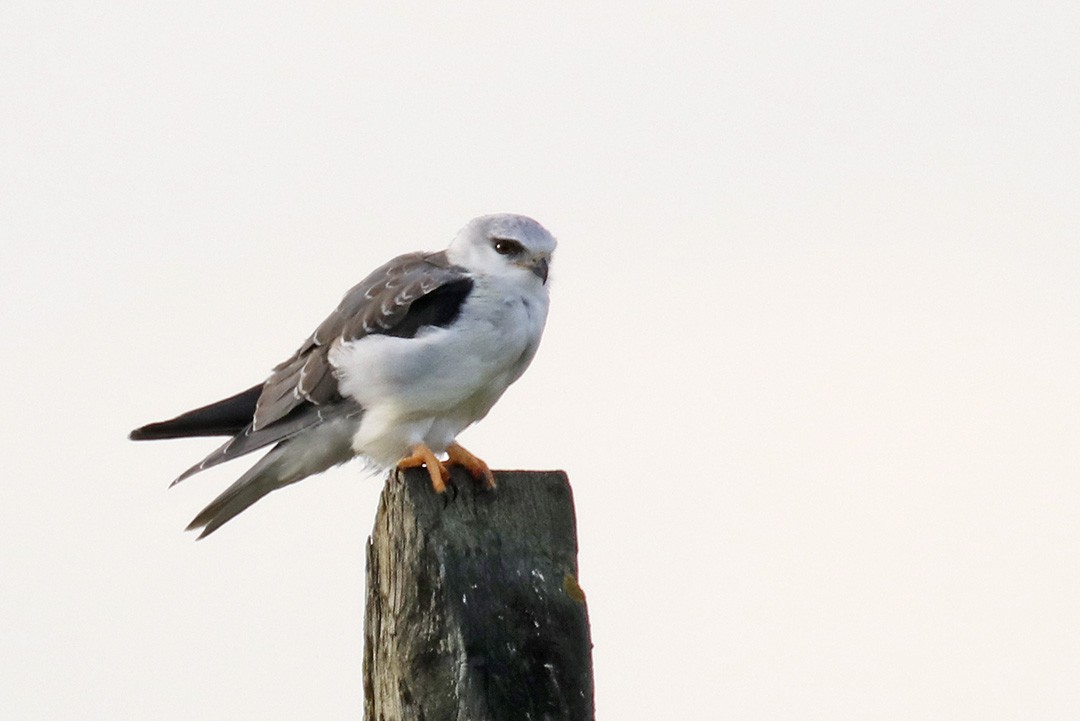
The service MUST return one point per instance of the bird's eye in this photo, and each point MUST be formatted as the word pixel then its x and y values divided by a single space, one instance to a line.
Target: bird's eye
pixel 505 246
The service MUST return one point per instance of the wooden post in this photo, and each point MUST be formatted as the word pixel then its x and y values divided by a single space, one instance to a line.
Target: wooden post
pixel 474 612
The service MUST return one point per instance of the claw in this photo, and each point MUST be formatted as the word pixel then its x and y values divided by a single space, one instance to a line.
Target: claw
pixel 476 467
pixel 421 455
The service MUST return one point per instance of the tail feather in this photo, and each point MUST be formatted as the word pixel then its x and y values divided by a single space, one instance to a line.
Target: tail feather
pixel 309 439
pixel 248 440
pixel 260 479
pixel 299 456
pixel 227 417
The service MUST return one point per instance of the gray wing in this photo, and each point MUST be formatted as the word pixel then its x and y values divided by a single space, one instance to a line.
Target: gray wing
pixel 379 304
pixel 410 291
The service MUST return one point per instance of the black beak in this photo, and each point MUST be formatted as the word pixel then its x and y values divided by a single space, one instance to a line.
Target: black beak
pixel 540 269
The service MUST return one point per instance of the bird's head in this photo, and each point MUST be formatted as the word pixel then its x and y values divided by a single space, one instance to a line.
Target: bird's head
pixel 504 245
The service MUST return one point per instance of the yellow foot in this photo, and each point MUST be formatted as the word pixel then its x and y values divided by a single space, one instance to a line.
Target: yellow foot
pixel 476 467
pixel 421 455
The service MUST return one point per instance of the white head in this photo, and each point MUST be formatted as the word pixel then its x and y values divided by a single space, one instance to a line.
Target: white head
pixel 504 244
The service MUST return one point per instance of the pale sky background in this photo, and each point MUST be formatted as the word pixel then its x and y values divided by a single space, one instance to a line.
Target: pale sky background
pixel 813 360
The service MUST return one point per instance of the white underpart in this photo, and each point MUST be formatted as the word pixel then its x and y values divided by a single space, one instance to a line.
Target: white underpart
pixel 429 388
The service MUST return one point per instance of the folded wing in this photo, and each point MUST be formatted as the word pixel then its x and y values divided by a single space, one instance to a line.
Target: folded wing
pixel 401 297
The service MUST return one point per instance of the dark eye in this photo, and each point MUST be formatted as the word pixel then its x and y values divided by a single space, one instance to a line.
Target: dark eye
pixel 505 246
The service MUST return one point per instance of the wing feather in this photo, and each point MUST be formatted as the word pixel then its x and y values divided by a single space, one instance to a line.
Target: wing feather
pixel 227 417
pixel 382 303
pixel 250 439
pixel 404 295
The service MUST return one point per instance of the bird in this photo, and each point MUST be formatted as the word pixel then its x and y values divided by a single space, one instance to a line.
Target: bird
pixel 414 354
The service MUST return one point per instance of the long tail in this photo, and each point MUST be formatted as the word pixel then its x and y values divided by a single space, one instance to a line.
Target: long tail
pixel 227 417
pixel 260 479
pixel 317 449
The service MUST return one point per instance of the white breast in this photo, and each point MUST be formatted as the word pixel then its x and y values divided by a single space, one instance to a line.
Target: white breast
pixel 431 387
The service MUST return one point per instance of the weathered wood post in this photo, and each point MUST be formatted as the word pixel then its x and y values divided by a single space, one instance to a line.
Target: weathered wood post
pixel 474 612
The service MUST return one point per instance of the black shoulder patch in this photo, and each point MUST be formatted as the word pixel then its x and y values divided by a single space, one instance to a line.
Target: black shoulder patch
pixel 438 308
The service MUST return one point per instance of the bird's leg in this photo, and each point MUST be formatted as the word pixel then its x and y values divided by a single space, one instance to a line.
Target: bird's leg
pixel 476 467
pixel 421 455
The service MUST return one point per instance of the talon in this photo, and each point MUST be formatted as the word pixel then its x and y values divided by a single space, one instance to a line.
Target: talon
pixel 476 467
pixel 421 455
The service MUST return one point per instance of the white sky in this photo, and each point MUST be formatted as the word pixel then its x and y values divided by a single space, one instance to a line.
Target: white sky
pixel 812 361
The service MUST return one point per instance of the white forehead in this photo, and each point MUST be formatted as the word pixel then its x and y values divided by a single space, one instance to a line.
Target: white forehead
pixel 521 228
